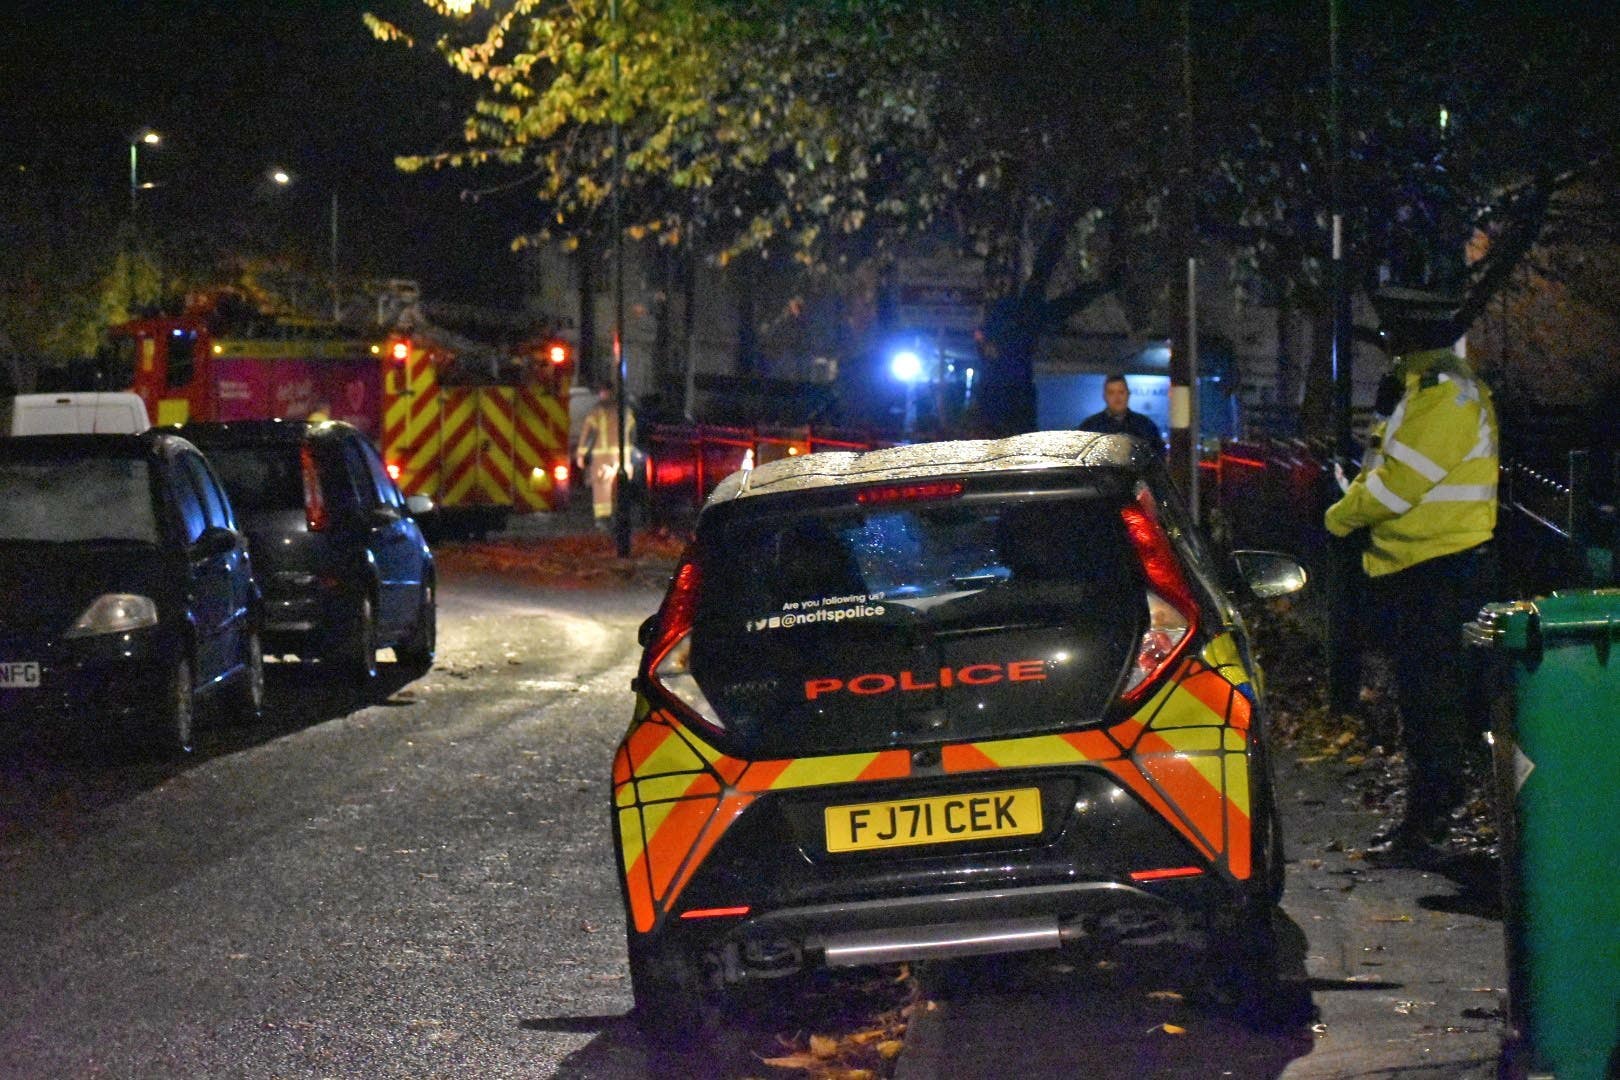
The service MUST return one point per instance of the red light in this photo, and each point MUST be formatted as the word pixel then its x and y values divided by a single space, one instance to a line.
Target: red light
pixel 1171 872
pixel 393 470
pixel 314 499
pixel 558 354
pixel 401 350
pixel 668 669
pixel 1172 611
pixel 559 473
pixel 943 489
pixel 714 912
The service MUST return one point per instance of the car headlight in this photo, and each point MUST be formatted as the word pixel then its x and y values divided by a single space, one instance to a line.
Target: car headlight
pixel 113 613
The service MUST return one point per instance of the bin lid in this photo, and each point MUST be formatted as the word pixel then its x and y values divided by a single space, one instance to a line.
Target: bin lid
pixel 1523 624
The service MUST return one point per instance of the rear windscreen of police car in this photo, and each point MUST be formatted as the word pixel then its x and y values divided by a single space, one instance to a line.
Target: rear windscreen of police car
pixel 847 627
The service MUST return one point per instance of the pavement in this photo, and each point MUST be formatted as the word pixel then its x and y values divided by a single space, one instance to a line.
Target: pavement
pixel 1405 968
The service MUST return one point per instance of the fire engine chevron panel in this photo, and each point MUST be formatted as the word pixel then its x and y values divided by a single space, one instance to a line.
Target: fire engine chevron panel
pixel 487 432
pixel 941 700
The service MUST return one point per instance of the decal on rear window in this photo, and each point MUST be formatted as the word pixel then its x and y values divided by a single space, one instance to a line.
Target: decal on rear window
pixel 829 609
pixel 944 678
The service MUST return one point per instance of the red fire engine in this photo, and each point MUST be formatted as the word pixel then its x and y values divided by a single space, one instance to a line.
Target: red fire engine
pixel 478 430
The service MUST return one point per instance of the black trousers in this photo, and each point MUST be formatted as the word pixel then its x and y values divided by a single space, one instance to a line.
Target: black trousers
pixel 1440 683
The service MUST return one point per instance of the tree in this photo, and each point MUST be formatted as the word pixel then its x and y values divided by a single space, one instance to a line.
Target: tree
pixel 1041 138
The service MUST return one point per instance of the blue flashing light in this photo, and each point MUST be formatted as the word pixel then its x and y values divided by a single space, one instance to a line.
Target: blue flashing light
pixel 906 366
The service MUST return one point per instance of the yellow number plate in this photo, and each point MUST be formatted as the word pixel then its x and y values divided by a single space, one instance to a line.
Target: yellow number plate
pixel 942 819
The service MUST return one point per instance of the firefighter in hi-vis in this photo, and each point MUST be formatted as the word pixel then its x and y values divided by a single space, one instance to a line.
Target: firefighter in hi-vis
pixel 1426 494
pixel 599 451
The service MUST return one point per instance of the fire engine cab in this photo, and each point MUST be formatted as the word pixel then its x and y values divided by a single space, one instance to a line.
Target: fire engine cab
pixel 480 430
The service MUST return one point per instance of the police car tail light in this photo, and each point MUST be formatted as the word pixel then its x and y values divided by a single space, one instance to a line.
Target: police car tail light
pixel 314 498
pixel 114 613
pixel 1172 611
pixel 669 660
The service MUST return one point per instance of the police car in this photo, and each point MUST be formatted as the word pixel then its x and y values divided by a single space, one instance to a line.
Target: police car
pixel 947 699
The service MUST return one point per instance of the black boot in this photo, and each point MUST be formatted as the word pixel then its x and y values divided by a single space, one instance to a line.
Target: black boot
pixel 1414 840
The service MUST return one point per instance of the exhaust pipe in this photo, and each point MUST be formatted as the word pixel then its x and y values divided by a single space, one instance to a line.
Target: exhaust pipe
pixel 940 941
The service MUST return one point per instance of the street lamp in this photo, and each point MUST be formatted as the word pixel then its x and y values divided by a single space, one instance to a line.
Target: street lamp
pixel 149 138
pixel 283 178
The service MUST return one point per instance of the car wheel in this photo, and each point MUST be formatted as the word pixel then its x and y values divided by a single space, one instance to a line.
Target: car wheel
pixel 175 717
pixel 248 693
pixel 1246 971
pixel 356 654
pixel 674 1004
pixel 416 652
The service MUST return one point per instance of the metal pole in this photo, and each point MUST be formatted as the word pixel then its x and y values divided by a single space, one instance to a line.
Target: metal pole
pixel 134 182
pixel 1183 372
pixel 1343 556
pixel 337 308
pixel 621 484
pixel 1192 379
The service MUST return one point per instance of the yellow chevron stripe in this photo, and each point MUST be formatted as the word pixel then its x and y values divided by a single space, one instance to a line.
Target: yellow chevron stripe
pixel 1191 740
pixel 1182 709
pixel 1237 781
pixel 810 772
pixel 632 840
pixel 664 788
pixel 1035 750
pixel 1222 655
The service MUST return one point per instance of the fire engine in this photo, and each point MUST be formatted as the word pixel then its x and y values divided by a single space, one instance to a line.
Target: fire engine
pixel 482 431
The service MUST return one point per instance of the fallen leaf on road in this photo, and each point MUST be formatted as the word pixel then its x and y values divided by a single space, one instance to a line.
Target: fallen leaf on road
pixel 1170 1029
pixel 793 1061
pixel 1164 995
pixel 823 1047
pixel 1392 918
pixel 889 1049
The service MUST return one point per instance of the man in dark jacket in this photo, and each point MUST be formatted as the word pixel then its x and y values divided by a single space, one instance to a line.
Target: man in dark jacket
pixel 1118 419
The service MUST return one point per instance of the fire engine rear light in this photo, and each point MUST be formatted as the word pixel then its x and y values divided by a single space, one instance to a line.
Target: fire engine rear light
pixel 1172 611
pixel 558 354
pixel 559 473
pixel 314 498
pixel 1166 873
pixel 394 470
pixel 944 489
pixel 400 351
pixel 715 912
pixel 669 661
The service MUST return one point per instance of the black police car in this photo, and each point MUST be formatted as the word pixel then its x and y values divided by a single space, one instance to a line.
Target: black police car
pixel 939 700
pixel 340 558
pixel 126 588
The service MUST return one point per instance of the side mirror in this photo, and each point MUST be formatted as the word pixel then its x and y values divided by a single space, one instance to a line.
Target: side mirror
pixel 649 627
pixel 419 505
pixel 1270 573
pixel 213 542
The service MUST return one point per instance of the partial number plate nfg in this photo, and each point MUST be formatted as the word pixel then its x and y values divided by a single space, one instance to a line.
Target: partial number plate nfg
pixel 940 819
pixel 19 674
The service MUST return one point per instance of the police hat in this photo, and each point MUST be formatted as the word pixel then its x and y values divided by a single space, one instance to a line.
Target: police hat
pixel 1399 304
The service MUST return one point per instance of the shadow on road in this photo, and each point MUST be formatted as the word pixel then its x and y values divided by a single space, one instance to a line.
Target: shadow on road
pixel 58 784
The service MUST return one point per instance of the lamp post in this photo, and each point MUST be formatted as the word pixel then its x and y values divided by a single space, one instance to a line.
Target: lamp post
pixel 147 137
pixel 283 178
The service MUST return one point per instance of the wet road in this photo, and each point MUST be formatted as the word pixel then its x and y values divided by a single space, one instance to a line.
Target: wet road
pixel 422 886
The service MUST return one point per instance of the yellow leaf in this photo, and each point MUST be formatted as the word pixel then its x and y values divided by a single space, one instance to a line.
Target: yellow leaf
pixel 1164 995
pixel 793 1061
pixel 1172 1029
pixel 823 1047
pixel 889 1049
pixel 1392 918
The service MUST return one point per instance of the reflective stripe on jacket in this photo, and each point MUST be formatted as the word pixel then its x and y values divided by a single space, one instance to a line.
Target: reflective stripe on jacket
pixel 1427 485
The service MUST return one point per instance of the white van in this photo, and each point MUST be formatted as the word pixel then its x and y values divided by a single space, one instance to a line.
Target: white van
pixel 83 413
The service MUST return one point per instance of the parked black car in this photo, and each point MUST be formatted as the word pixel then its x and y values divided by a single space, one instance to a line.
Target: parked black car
pixel 126 588
pixel 942 700
pixel 341 560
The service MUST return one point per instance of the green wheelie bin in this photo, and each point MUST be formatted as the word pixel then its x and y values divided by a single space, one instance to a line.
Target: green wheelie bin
pixel 1556 759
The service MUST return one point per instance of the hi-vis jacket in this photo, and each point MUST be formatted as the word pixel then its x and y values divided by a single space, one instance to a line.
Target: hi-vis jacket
pixel 1427 485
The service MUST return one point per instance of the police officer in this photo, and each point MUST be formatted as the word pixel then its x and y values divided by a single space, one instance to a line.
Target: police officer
pixel 598 452
pixel 1118 418
pixel 1426 494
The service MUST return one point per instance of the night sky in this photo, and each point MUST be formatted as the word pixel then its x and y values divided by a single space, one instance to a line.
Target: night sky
pixel 236 87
